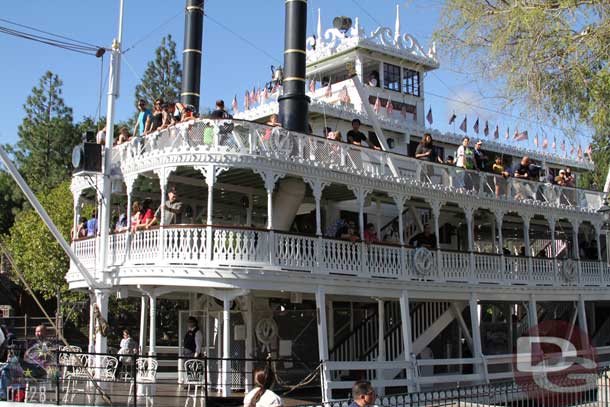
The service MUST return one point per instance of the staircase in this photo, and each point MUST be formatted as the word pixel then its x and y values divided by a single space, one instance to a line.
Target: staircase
pixel 545 245
pixel 428 320
pixel 413 221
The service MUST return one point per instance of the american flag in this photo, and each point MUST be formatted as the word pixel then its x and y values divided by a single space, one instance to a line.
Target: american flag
pixel 276 87
pixel 579 154
pixel 572 149
pixel 377 105
pixel 521 136
pixel 312 85
pixel 536 140
pixel 403 111
pixel 507 135
pixel 554 143
pixel 247 101
pixel 464 125
pixel 476 126
pixel 545 142
pixel 486 129
pixel 235 107
pixel 329 90
pixel 590 151
pixel 344 95
pixel 452 118
pixel 265 94
pixel 496 132
pixel 429 116
pixel 563 145
pixel 389 107
pixel 253 96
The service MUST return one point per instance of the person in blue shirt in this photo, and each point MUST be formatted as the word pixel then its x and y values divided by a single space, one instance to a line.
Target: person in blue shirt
pixel 92 225
pixel 363 394
pixel 140 128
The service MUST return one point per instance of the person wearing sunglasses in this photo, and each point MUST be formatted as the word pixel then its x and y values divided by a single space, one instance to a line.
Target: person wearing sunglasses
pixel 363 394
pixel 140 127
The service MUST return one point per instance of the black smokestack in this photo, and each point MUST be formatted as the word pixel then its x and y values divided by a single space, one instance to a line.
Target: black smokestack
pixel 294 104
pixel 191 62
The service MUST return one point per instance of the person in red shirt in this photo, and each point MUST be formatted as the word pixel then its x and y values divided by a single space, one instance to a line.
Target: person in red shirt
pixel 370 235
pixel 147 216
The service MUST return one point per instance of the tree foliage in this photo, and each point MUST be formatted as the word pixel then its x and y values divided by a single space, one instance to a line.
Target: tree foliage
pixel 35 251
pixel 163 75
pixel 46 136
pixel 550 54
pixel 10 202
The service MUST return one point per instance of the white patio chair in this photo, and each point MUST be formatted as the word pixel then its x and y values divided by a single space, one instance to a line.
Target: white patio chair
pixel 146 377
pixel 76 373
pixel 195 381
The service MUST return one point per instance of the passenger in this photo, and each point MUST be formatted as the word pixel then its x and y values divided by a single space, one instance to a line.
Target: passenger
pixel 374 141
pixel 187 112
pixel 124 136
pixel 92 225
pixel 193 339
pixel 81 230
pixel 348 232
pixel 273 121
pixel 327 131
pixel 155 120
pixel 140 127
pixel 425 150
pixel 173 209
pixel 523 171
pixel 561 178
pixel 355 136
pixel 121 224
pixel 373 79
pixel 363 394
pixel 135 215
pixel 370 234
pixel 479 157
pixel 393 235
pixel 570 180
pixel 261 395
pixel 450 160
pixel 500 183
pixel 465 159
pixel 335 135
pixel 220 112
pixel 127 346
pixel 425 239
pixel 100 137
pixel 334 229
pixel 147 217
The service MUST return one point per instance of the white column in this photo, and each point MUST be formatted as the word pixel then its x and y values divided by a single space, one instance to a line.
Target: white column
pixel 323 341
pixel 576 247
pixel 210 172
pixel 552 223
pixel 331 323
pixel 76 218
pixel 360 198
pixel 480 366
pixel 532 318
pixel 405 318
pixel 598 239
pixel 469 213
pixel 101 300
pixel 249 210
pixel 317 186
pixel 249 341
pixel 91 345
pixel 226 347
pixel 582 318
pixel 436 214
pixel 378 218
pixel 400 206
pixel 143 317
pixel 381 342
pixel 499 215
pixel 152 340
pixel 494 236
pixel 526 235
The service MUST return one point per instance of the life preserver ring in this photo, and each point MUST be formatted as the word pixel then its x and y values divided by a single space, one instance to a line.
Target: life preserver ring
pixel 280 141
pixel 266 331
pixel 423 261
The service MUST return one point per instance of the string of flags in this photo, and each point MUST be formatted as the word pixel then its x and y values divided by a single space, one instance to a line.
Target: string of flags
pixel 260 95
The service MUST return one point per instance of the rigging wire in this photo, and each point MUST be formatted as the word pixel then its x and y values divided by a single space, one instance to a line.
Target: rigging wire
pixel 49 33
pixel 151 32
pixel 82 49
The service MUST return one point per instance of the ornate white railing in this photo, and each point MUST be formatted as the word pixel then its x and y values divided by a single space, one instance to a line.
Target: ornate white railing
pixel 218 246
pixel 253 139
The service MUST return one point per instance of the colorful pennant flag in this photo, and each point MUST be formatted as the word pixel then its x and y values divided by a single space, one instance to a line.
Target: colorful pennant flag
pixel 234 104
pixel 265 94
pixel 464 125
pixel 429 116
pixel 452 118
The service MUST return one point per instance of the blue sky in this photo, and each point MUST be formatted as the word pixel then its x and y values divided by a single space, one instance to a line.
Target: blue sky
pixel 230 64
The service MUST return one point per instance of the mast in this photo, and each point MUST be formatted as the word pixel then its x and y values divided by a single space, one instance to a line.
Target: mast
pixel 191 55
pixel 294 104
pixel 113 94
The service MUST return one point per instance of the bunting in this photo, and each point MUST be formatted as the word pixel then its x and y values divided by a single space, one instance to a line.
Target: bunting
pixel 590 151
pixel 579 153
pixel 265 94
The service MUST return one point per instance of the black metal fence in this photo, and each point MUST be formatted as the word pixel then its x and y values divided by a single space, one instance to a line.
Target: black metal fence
pixel 85 379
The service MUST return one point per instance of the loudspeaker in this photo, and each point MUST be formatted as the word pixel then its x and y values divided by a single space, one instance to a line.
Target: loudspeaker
pixel 87 157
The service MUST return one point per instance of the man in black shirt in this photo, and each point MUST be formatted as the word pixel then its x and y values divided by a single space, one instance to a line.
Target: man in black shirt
pixel 479 157
pixel 523 169
pixel 355 136
pixel 425 239
pixel 220 112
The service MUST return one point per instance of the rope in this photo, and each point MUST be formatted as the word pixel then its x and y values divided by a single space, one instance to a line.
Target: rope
pixel 60 336
pixel 307 380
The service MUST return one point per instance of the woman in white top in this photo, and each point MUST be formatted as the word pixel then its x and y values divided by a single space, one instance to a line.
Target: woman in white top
pixel 261 395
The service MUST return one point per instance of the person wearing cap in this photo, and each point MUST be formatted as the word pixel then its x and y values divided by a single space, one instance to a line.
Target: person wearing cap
pixel 560 178
pixel 480 159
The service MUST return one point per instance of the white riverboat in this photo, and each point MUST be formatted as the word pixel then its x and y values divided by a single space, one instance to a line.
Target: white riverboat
pixel 254 259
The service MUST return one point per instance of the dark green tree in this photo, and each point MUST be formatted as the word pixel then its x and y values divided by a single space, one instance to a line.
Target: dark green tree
pixel 46 136
pixel 163 75
pixel 11 201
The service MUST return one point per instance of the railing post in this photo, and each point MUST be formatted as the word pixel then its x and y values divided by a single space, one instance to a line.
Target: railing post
pixel 57 378
pixel 134 375
pixel 318 253
pixel 271 242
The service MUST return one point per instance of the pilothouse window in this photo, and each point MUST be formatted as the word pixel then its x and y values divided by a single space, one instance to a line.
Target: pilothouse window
pixel 391 77
pixel 410 82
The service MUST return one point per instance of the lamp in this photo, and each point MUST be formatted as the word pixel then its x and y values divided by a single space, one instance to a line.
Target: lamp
pixel 342 24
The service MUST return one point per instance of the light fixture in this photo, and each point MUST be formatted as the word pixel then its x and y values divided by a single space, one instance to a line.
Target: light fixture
pixel 604 210
pixel 342 24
